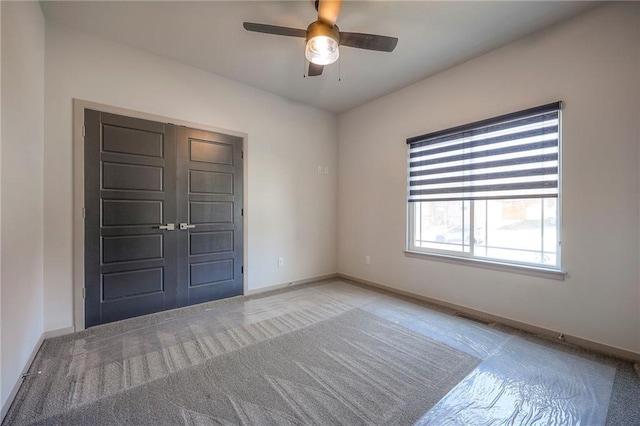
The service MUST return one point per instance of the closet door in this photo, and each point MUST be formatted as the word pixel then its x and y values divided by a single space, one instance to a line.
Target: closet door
pixel 209 215
pixel 130 206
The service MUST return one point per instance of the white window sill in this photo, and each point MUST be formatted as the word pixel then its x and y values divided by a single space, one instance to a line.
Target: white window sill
pixel 488 264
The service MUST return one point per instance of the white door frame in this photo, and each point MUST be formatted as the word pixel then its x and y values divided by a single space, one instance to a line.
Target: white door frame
pixel 79 106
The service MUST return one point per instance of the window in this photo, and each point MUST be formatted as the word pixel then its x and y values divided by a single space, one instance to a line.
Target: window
pixel 489 190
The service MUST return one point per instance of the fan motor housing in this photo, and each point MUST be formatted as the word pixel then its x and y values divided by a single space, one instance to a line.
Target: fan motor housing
pixel 319 28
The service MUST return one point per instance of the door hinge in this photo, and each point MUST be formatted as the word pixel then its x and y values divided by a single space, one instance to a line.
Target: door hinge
pixel 241 212
pixel 242 154
pixel 84 131
pixel 84 213
pixel 242 269
pixel 83 292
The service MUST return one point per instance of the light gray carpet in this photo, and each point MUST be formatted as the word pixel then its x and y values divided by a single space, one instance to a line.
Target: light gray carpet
pixel 324 353
pixel 311 367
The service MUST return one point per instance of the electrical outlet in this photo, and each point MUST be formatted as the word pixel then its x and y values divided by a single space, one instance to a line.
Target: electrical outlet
pixel 367 260
pixel 326 170
pixel 280 262
pixel 319 170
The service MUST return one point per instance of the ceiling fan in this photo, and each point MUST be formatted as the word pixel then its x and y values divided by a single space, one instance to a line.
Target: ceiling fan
pixel 323 38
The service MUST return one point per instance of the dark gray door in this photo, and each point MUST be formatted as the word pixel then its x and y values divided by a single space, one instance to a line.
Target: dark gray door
pixel 130 193
pixel 210 211
pixel 163 220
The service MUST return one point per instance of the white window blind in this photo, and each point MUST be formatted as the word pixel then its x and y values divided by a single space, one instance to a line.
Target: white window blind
pixel 511 156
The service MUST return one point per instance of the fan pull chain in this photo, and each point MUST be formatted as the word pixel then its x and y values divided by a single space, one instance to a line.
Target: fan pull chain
pixel 339 69
pixel 304 67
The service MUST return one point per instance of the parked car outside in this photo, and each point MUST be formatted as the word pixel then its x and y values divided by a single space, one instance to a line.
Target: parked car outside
pixel 454 235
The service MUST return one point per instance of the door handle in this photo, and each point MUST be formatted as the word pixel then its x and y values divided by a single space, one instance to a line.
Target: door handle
pixel 168 227
pixel 186 226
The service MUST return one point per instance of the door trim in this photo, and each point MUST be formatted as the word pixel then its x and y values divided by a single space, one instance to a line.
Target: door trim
pixel 79 106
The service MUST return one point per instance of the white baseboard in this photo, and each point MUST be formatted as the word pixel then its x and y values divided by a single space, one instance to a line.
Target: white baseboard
pixel 14 390
pixel 578 341
pixel 59 332
pixel 16 386
pixel 290 284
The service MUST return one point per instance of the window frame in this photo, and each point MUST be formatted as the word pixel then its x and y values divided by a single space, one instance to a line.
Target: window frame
pixel 469 258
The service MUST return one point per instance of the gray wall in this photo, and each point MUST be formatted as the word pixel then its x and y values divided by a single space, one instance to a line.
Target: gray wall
pixel 590 62
pixel 21 277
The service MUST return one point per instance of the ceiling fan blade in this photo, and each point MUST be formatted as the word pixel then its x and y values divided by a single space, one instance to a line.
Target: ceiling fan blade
pixel 314 69
pixel 273 29
pixel 328 11
pixel 368 41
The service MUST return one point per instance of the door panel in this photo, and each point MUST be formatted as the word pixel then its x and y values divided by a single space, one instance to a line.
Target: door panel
pixel 210 151
pixel 131 247
pixel 130 264
pixel 132 283
pixel 131 212
pixel 210 199
pixel 129 177
pixel 210 242
pixel 210 213
pixel 210 182
pixel 211 272
pixel 125 140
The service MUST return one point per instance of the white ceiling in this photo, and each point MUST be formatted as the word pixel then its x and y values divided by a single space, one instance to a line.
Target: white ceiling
pixel 433 36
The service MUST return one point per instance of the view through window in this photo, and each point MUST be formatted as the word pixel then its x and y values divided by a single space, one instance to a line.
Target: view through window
pixel 523 230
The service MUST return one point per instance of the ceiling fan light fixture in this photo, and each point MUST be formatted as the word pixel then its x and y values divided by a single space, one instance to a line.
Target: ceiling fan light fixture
pixel 323 45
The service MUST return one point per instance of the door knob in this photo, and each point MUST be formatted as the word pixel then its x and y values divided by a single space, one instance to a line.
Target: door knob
pixel 186 226
pixel 168 227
